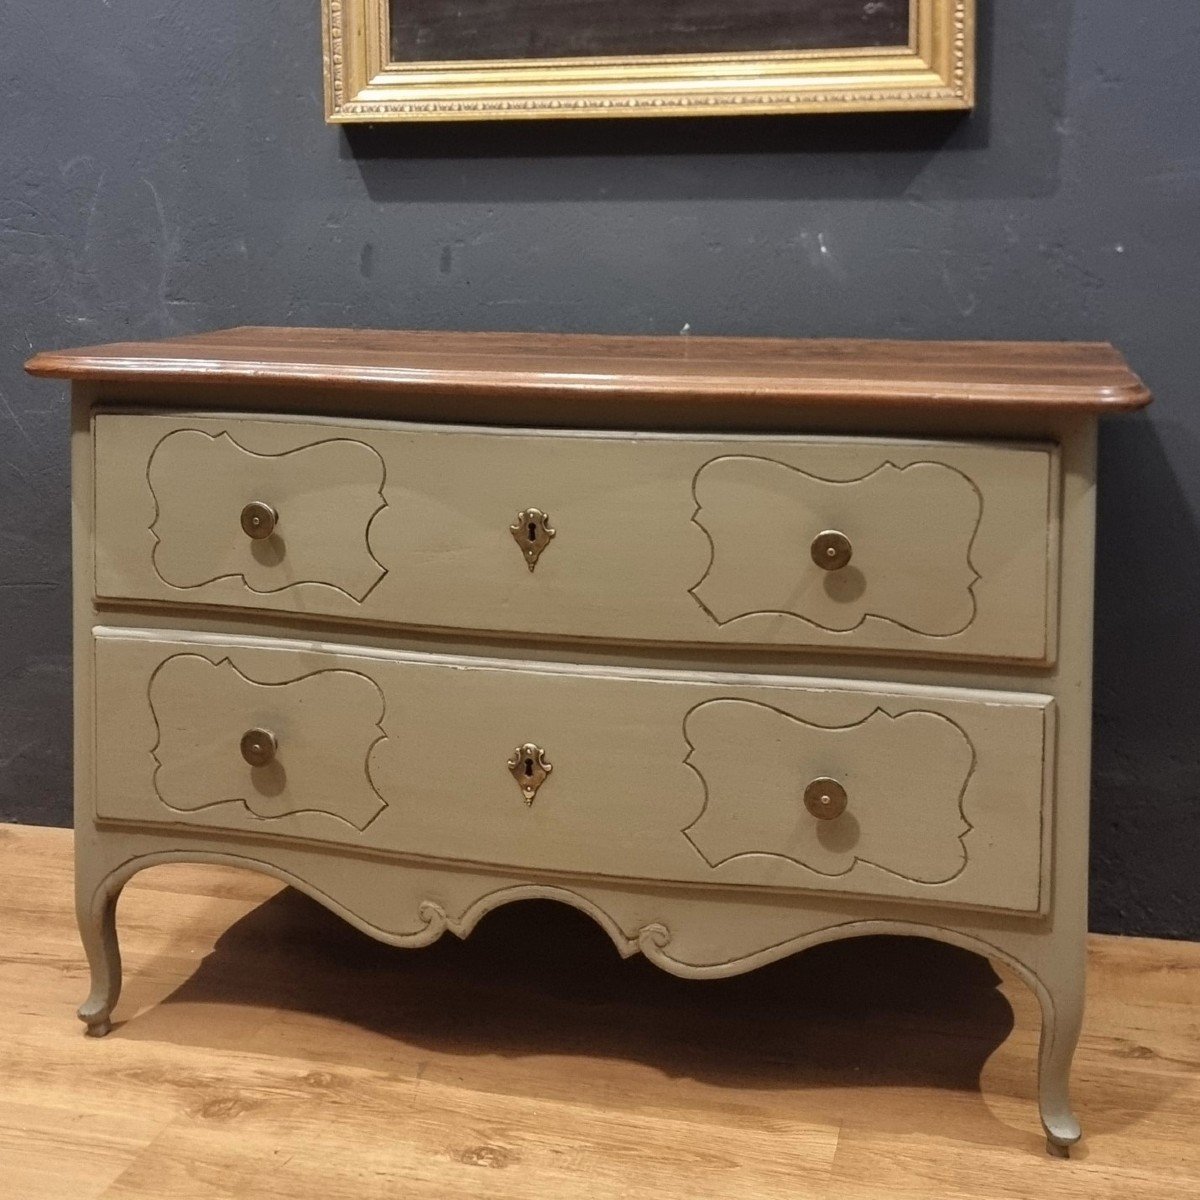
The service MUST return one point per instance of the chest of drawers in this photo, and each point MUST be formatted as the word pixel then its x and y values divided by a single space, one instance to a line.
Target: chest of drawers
pixel 738 646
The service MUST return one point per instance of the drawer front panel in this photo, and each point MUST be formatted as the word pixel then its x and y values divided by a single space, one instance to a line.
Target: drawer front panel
pixel 917 793
pixel 920 547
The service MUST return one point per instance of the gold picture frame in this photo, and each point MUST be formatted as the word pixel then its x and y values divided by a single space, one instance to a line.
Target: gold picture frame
pixel 935 70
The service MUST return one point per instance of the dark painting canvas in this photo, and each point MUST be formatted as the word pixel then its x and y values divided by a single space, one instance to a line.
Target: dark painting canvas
pixel 473 30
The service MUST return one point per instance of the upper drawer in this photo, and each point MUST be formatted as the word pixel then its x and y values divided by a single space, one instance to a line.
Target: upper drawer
pixel 923 547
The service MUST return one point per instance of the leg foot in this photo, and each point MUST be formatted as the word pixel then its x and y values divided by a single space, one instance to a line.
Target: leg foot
pixel 96 910
pixel 1062 1018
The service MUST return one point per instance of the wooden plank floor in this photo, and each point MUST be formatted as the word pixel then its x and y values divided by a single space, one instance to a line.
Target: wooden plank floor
pixel 266 1050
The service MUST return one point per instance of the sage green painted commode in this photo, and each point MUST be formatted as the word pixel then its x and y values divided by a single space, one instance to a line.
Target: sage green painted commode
pixel 738 646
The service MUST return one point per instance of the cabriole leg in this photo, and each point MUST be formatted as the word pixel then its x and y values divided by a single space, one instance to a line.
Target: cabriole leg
pixel 1062 1018
pixel 96 911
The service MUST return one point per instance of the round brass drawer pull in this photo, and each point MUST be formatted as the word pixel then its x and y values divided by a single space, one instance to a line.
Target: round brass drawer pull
pixel 825 799
pixel 259 747
pixel 831 550
pixel 259 520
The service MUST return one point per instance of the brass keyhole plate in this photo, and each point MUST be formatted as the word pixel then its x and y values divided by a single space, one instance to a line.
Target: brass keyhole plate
pixel 528 766
pixel 531 531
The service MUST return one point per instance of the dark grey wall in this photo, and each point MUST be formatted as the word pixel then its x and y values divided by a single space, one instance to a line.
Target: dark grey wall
pixel 166 168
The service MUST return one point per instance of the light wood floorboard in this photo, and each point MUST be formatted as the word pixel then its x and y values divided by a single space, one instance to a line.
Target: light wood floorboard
pixel 266 1051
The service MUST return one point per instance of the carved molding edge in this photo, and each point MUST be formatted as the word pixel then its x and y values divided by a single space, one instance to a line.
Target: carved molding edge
pixel 647 105
pixel 335 56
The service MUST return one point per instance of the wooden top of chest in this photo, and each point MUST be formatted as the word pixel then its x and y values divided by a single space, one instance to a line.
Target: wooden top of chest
pixel 722 372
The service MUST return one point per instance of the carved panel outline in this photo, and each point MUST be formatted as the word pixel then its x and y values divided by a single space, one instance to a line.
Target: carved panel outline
pixel 855 859
pixel 323 583
pixel 886 464
pixel 247 805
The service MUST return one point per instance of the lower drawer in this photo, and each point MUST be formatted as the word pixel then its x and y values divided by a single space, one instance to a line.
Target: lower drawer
pixel 681 777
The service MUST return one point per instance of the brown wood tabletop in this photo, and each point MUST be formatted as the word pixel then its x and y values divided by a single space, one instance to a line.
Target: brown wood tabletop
pixel 265 1050
pixel 717 371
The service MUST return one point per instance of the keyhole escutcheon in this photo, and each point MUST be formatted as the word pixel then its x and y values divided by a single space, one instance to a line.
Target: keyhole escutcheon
pixel 528 766
pixel 532 533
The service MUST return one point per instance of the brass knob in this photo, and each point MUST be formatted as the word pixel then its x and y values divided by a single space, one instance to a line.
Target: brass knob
pixel 825 799
pixel 259 520
pixel 831 550
pixel 259 747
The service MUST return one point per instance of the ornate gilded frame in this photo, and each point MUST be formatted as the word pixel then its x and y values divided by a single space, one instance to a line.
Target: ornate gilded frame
pixel 936 70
